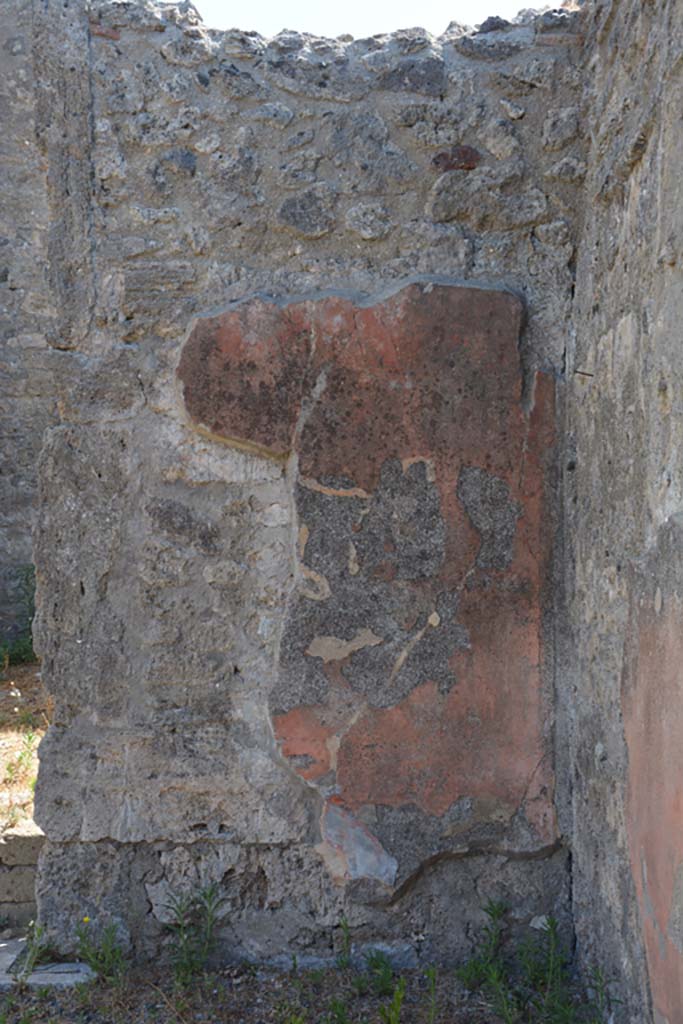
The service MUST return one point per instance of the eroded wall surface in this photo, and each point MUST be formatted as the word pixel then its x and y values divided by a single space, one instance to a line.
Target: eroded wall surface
pixel 219 715
pixel 623 477
pixel 27 363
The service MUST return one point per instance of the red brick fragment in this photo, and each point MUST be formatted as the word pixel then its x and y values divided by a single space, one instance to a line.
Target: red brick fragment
pixel 458 158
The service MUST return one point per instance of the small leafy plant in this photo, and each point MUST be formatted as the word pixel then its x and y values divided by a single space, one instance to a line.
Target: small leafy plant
pixel 25 756
pixel 380 972
pixel 316 977
pixel 344 958
pixel 103 952
pixel 475 972
pixel 532 983
pixel 338 1012
pixel 11 818
pixel 193 931
pixel 20 767
pixel 361 985
pixel 431 976
pixel 36 951
pixel 289 1013
pixel 601 1001
pixel 391 1013
pixel 501 993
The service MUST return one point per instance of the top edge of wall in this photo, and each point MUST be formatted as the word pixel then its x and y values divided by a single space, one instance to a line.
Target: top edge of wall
pixel 147 15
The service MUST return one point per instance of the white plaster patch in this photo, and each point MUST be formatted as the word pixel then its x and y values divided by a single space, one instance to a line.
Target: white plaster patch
pixel 332 648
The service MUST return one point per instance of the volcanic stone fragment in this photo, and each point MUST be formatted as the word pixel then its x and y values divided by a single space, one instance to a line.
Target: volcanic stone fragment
pixel 458 158
pixel 427 76
pixel 310 213
pixel 369 220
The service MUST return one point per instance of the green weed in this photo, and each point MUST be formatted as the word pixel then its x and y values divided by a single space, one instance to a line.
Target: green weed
pixel 391 1013
pixel 475 972
pixel 36 951
pixel 601 1002
pixel 361 984
pixel 380 972
pixel 431 976
pixel 25 755
pixel 12 817
pixel 193 931
pixel 316 977
pixel 21 765
pixel 102 953
pixel 289 1013
pixel 27 720
pixel 504 999
pixel 533 982
pixel 338 1012
pixel 344 958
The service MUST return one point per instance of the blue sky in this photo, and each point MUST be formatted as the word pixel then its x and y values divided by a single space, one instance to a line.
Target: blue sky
pixel 359 17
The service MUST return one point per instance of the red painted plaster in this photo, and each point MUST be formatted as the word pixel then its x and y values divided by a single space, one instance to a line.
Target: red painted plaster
pixel 653 723
pixel 431 374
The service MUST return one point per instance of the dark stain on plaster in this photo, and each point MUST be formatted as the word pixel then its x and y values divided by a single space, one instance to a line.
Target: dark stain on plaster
pixel 402 534
pixel 256 405
pixel 492 512
pixel 177 520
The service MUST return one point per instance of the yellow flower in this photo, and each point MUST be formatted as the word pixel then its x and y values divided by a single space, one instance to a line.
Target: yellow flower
pixel 86 920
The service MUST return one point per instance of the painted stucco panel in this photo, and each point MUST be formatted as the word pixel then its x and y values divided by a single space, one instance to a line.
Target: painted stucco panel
pixel 652 701
pixel 410 668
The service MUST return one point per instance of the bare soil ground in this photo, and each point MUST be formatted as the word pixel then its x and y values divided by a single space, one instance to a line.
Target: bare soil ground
pixel 243 995
pixel 24 715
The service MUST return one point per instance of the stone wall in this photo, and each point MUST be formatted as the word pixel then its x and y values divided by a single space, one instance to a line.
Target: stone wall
pixel 623 479
pixel 357 544
pixel 297 617
pixel 19 851
pixel 28 404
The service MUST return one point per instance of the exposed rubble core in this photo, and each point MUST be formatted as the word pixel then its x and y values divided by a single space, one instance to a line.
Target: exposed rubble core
pixel 341 382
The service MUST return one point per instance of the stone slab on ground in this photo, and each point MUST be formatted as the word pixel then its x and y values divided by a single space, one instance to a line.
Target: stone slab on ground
pixel 56 975
pixel 9 951
pixel 61 976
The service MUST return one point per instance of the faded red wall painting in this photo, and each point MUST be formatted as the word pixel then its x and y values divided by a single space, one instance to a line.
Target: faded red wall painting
pixel 410 687
pixel 653 724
